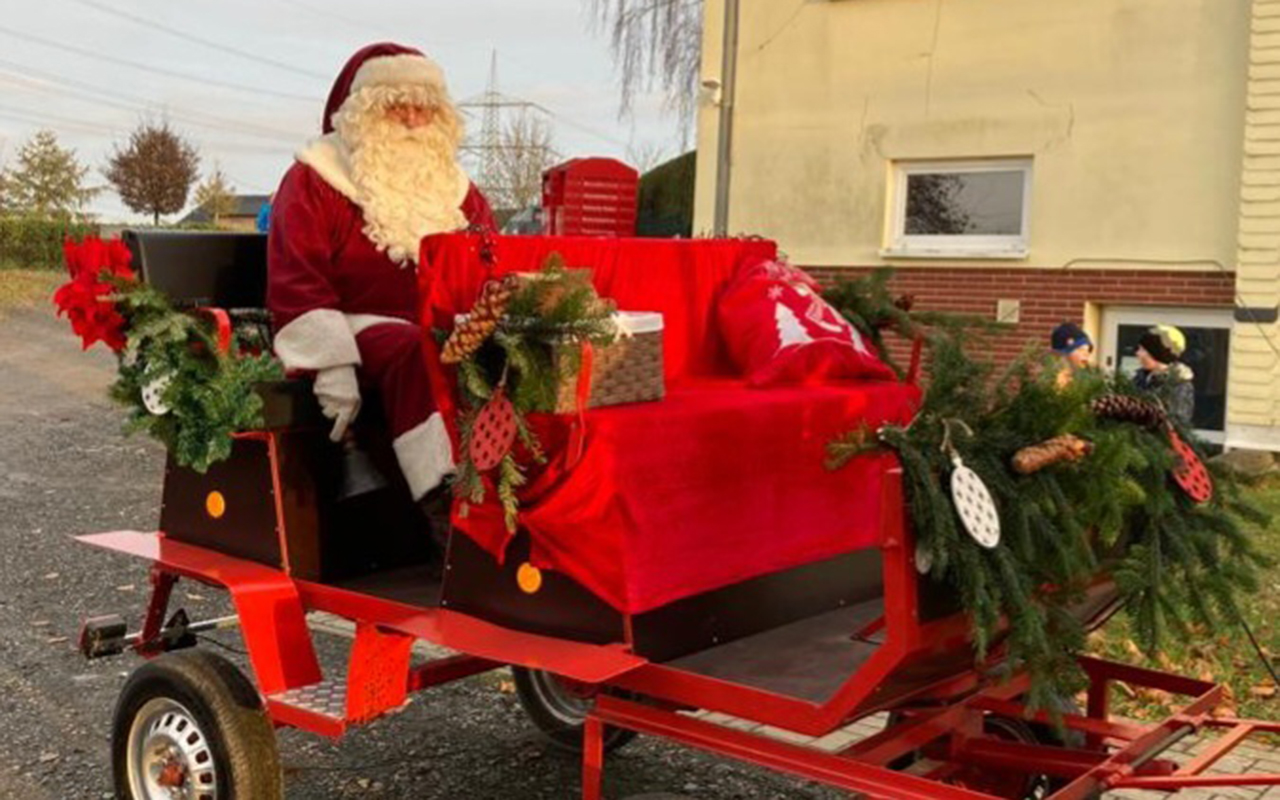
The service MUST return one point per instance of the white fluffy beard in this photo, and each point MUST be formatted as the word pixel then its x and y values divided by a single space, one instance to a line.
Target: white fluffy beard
pixel 408 182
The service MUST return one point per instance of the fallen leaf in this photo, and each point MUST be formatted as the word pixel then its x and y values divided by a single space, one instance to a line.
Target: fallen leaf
pixel 1264 691
pixel 52 576
pixel 506 687
pixel 1132 648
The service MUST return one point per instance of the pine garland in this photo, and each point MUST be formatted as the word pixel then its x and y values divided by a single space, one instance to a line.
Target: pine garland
pixel 209 395
pixel 1113 513
pixel 550 312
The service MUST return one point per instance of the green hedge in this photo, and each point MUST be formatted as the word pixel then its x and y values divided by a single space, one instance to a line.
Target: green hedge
pixel 31 243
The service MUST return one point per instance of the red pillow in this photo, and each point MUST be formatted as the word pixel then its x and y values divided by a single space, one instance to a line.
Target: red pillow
pixel 779 330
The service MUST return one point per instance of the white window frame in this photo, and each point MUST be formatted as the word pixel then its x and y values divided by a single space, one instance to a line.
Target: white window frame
pixel 900 245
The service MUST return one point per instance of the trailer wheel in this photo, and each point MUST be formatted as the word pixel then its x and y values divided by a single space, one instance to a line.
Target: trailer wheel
pixel 1013 785
pixel 189 724
pixel 559 709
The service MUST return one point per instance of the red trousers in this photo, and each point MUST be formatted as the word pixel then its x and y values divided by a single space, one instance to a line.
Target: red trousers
pixel 392 365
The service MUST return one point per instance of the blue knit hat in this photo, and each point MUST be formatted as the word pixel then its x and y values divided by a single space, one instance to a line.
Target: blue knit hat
pixel 1068 337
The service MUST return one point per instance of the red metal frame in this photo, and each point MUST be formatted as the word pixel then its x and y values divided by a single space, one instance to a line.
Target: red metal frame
pixel 942 720
pixel 952 735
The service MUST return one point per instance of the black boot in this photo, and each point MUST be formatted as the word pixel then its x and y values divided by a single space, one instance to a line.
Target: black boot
pixel 436 506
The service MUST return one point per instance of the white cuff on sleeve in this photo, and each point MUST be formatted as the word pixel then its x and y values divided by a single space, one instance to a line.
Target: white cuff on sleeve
pixel 317 340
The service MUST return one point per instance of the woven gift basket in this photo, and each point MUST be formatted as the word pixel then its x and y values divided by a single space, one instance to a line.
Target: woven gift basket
pixel 627 371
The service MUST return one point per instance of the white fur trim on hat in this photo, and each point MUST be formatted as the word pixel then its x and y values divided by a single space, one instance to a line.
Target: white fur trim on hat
pixel 318 339
pixel 400 70
pixel 425 455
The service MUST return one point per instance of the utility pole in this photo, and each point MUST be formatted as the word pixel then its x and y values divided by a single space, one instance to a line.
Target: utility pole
pixel 728 90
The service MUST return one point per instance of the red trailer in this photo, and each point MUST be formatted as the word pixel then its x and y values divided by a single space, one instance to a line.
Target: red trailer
pixel 590 197
pixel 623 627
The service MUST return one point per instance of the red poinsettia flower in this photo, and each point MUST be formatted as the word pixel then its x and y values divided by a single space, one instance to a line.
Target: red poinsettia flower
pixel 92 265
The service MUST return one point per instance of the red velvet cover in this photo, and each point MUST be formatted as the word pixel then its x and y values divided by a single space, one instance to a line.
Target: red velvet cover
pixel 716 484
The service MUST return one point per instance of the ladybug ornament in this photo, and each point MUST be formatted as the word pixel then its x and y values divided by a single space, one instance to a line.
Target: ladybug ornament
pixel 494 432
pixel 1189 472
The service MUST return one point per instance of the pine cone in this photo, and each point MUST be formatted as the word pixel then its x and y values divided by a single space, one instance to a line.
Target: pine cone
pixel 1125 408
pixel 1052 451
pixel 480 324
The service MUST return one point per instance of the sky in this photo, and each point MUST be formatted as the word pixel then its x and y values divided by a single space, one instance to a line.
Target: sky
pixel 245 80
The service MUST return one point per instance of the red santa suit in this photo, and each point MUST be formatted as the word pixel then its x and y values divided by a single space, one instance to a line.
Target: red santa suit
pixel 345 228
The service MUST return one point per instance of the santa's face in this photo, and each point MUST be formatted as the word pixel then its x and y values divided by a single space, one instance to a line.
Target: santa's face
pixel 403 158
pixel 411 115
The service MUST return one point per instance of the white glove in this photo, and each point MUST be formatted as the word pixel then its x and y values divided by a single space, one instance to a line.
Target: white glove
pixel 339 394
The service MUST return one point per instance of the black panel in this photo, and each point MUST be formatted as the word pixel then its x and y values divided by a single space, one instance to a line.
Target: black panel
pixel 289 404
pixel 724 615
pixel 333 539
pixel 227 270
pixel 477 584
pixel 247 528
pixel 936 599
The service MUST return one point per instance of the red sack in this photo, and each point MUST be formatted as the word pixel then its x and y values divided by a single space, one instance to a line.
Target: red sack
pixel 779 330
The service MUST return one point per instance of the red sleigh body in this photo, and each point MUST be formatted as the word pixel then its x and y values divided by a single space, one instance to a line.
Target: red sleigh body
pixel 696 554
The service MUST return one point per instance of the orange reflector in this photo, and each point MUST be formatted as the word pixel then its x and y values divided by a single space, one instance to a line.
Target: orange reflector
pixel 529 578
pixel 215 504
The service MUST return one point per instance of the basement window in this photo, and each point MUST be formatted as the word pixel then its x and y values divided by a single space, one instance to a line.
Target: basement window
pixel 959 209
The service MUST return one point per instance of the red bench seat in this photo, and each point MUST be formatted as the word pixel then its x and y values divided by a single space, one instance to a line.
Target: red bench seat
pixel 716 484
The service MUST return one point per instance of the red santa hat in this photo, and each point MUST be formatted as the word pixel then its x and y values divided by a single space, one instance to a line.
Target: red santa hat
pixel 384 64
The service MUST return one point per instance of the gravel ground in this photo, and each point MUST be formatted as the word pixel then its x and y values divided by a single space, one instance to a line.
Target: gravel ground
pixel 65 469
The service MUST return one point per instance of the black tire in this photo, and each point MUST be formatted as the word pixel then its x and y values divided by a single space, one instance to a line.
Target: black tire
pixel 207 719
pixel 558 713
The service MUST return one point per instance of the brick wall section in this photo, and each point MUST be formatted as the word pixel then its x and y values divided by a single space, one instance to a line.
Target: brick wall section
pixel 1048 296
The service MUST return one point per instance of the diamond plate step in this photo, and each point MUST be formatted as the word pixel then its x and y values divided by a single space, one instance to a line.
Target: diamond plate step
pixel 325 699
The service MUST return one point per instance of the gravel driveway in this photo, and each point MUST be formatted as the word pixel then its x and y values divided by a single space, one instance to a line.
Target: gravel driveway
pixel 65 469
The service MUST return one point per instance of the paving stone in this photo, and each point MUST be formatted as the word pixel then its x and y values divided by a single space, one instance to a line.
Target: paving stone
pixel 838 740
pixel 783 736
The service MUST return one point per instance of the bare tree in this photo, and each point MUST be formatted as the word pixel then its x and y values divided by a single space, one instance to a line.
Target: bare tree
pixel 645 156
pixel 215 196
pixel 154 173
pixel 524 153
pixel 655 43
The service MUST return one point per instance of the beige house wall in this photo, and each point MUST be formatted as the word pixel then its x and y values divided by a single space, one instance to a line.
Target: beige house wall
pixel 1153 127
pixel 1131 110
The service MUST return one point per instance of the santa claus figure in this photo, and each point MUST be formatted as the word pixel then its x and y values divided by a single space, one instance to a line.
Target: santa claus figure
pixel 343 247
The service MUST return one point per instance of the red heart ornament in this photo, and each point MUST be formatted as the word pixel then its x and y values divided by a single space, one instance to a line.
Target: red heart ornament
pixel 1190 472
pixel 494 432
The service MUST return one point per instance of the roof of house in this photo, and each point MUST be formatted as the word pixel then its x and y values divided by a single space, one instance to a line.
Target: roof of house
pixel 246 205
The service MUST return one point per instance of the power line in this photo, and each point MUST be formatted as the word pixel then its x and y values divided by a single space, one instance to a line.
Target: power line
pixel 99 95
pixel 43 119
pixel 148 23
pixel 168 73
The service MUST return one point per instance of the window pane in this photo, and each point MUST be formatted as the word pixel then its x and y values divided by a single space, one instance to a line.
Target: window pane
pixel 964 203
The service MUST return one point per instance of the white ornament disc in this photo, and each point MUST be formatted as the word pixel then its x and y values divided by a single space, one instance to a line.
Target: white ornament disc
pixel 153 395
pixel 975 506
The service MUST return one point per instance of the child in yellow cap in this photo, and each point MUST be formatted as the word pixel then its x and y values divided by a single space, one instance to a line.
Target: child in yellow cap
pixel 1163 375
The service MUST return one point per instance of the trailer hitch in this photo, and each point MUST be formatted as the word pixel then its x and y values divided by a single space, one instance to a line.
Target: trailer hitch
pixel 101 637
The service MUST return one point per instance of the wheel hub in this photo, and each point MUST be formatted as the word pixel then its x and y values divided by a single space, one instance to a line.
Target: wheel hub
pixel 569 701
pixel 169 756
